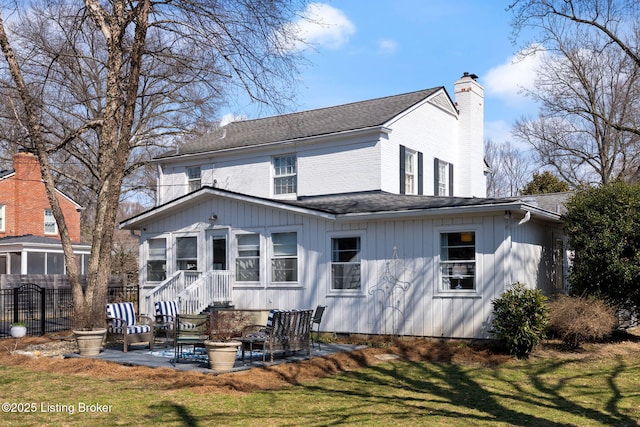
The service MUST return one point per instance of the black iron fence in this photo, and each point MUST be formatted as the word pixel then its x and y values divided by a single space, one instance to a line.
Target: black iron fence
pixel 47 310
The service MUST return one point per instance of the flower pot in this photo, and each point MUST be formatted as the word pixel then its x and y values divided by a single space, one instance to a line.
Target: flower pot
pixel 90 342
pixel 222 355
pixel 18 331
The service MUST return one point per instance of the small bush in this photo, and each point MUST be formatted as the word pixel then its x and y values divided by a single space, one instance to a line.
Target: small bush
pixel 576 320
pixel 520 319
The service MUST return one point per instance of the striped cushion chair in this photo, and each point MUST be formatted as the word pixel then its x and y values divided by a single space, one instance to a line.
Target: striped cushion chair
pixel 166 316
pixel 122 320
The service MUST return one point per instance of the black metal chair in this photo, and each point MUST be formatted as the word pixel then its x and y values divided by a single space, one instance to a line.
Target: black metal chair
pixel 317 318
pixel 189 330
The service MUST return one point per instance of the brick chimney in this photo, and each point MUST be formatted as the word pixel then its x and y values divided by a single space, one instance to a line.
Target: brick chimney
pixel 27 167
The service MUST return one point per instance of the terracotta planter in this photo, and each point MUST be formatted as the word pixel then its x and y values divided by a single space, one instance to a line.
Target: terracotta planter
pixel 90 342
pixel 222 355
pixel 18 331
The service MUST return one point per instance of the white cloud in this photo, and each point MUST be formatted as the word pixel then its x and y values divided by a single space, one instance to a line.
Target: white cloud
pixel 322 25
pixel 507 81
pixel 387 46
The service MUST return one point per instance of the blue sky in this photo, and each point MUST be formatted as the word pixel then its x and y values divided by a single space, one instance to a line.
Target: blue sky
pixel 365 49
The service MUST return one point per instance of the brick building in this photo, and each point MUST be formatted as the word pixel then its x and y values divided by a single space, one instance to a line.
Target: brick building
pixel 29 238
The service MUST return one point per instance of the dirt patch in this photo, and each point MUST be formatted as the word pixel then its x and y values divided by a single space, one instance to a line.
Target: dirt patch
pixel 45 354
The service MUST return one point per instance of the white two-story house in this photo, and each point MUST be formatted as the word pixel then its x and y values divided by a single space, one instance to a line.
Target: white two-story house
pixel 376 209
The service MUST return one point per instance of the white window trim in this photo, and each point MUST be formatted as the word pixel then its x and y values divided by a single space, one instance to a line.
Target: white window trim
pixel 411 163
pixel 3 212
pixel 193 180
pixel 274 176
pixel 167 255
pixel 439 290
pixel 269 257
pixel 443 184
pixel 233 256
pixel 44 226
pixel 174 252
pixel 363 264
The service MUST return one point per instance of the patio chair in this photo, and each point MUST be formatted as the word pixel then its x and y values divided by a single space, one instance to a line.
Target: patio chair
pixel 190 330
pixel 166 315
pixel 122 320
pixel 317 318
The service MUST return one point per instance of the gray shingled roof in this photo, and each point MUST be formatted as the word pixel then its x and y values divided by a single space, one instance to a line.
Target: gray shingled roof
pixel 30 238
pixel 378 201
pixel 304 124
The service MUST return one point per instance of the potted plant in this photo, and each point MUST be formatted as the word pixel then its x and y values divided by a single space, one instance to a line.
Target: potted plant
pixel 88 338
pixel 18 329
pixel 224 328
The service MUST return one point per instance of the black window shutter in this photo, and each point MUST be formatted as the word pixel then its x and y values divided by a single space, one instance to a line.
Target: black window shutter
pixel 420 178
pixel 436 176
pixel 402 169
pixel 450 179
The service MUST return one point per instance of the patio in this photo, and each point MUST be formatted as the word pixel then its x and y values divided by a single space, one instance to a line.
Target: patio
pixel 162 357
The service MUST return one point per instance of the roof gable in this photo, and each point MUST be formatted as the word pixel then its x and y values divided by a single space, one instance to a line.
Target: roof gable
pixel 305 124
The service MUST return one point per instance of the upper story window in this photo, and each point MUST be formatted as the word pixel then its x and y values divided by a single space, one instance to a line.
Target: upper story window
pixel 443 178
pixel 194 179
pixel 458 260
pixel 284 175
pixel 284 258
pixel 2 217
pixel 410 171
pixel 187 253
pixel 157 260
pixel 50 225
pixel 345 263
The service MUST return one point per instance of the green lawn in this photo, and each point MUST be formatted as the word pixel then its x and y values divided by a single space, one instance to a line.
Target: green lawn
pixel 524 393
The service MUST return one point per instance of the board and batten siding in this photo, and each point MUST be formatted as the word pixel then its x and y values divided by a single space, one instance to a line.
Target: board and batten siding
pixel 400 270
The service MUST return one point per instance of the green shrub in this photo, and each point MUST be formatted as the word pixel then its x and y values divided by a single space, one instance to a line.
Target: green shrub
pixel 575 319
pixel 520 319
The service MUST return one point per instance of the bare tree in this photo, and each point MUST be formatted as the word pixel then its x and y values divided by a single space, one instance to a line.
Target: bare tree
pixel 510 168
pixel 588 128
pixel 99 83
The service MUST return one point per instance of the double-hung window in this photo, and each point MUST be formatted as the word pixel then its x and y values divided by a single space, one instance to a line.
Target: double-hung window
pixel 411 165
pixel 50 225
pixel 2 217
pixel 345 263
pixel 187 253
pixel 157 260
pixel 284 175
pixel 443 178
pixel 458 260
pixel 248 258
pixel 410 172
pixel 284 257
pixel 194 178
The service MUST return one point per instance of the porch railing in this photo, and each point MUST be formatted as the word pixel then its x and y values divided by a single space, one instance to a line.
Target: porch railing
pixel 168 290
pixel 195 290
pixel 212 288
